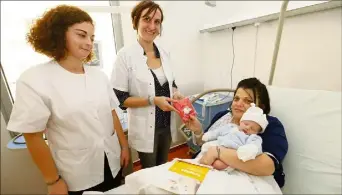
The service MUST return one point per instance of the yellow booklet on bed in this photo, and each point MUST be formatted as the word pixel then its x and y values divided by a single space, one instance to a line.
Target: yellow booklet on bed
pixel 191 170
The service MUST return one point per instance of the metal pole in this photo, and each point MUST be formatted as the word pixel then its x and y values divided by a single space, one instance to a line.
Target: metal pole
pixel 278 38
pixel 117 27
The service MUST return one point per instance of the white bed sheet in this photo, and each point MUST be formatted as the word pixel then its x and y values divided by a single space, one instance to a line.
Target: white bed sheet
pixel 216 182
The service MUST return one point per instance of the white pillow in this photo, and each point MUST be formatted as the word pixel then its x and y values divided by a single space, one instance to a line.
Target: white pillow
pixel 312 121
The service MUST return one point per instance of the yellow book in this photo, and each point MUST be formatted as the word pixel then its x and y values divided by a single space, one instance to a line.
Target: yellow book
pixel 190 170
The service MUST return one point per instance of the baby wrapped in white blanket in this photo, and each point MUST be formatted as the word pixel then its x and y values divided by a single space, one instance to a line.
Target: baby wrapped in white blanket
pixel 243 138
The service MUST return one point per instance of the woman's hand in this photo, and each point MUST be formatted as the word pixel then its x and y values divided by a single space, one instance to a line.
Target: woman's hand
pixel 163 103
pixel 219 165
pixel 210 156
pixel 59 188
pixel 124 158
pixel 177 96
pixel 194 125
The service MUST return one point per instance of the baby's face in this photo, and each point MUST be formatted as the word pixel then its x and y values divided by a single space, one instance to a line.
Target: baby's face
pixel 250 127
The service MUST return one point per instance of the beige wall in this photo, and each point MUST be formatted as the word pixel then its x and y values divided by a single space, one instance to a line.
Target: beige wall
pixel 19 175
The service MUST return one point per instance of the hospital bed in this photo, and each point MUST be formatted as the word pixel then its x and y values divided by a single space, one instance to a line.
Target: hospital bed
pixel 312 121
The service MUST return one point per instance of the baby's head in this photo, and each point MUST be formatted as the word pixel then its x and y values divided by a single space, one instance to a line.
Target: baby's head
pixel 253 121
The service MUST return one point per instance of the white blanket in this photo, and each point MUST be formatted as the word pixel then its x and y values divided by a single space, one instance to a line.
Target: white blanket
pixel 146 181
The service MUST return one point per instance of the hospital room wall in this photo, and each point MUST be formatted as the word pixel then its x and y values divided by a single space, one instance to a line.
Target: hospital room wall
pixel 309 54
pixel 19 175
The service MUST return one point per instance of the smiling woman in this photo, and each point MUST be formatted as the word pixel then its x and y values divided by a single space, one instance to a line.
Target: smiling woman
pixel 14 27
pixel 73 104
pixel 144 83
pixel 78 30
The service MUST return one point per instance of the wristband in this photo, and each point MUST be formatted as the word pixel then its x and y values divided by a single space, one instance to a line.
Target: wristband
pixel 150 100
pixel 52 183
pixel 125 148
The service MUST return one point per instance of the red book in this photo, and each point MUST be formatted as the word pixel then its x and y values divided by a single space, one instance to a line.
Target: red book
pixel 185 109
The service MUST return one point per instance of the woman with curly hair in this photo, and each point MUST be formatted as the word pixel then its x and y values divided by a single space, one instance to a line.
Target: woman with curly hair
pixel 74 103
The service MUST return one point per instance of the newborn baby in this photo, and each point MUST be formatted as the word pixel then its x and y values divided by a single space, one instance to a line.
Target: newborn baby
pixel 243 138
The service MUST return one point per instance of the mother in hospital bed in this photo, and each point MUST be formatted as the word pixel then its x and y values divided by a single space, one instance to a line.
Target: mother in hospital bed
pixel 274 144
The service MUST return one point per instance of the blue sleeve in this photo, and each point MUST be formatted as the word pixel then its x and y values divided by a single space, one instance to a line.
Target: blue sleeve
pixel 174 84
pixel 274 141
pixel 122 96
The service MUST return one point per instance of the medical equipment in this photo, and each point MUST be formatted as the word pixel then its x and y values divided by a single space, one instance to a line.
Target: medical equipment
pixel 209 104
pixel 206 104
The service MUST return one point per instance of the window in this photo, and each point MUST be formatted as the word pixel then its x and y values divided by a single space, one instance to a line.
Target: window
pixel 17 55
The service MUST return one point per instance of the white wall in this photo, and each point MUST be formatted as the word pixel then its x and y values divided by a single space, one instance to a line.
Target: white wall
pixel 19 175
pixel 309 54
pixel 233 11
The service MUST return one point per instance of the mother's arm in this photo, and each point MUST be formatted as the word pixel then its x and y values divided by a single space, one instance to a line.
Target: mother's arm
pixel 262 165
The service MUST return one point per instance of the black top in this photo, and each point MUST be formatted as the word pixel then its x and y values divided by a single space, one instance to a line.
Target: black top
pixel 162 119
pixel 274 144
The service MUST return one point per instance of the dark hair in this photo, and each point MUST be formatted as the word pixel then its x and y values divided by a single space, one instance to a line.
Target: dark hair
pixel 260 92
pixel 48 34
pixel 140 7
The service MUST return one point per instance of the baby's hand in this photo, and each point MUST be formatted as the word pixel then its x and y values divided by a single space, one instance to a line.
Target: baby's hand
pixel 219 165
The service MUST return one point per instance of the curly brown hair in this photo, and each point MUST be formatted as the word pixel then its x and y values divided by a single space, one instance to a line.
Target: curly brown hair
pixel 48 33
pixel 140 7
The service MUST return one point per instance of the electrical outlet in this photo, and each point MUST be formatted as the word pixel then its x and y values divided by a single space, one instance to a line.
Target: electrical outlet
pixel 210 3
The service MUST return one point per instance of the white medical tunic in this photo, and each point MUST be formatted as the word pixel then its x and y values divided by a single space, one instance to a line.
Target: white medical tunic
pixel 76 111
pixel 131 74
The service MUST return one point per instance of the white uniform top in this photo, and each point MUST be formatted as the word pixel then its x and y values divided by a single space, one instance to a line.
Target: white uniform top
pixel 131 74
pixel 76 111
